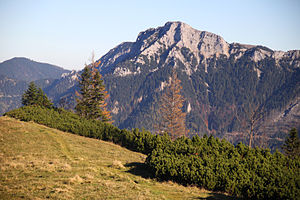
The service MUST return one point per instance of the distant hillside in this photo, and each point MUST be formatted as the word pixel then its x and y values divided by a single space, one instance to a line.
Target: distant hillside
pixel 24 69
pixel 37 162
pixel 11 91
pixel 16 73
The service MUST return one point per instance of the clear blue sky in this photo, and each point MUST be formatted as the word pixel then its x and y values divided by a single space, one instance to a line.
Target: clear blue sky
pixel 65 32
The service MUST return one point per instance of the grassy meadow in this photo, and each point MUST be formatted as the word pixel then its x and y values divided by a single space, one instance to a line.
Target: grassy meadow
pixel 37 162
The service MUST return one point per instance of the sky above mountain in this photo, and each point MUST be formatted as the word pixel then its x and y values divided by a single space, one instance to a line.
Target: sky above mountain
pixel 66 32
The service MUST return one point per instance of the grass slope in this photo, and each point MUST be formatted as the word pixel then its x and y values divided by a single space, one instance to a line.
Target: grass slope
pixel 37 162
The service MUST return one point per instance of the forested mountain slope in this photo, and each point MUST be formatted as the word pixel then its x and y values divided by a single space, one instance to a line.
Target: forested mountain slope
pixel 222 83
pixel 24 69
pixel 15 75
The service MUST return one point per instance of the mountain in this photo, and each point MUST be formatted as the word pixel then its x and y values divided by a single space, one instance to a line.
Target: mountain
pixel 223 83
pixel 24 69
pixel 16 73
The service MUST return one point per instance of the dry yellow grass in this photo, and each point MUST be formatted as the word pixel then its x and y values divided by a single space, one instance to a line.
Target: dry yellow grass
pixel 37 162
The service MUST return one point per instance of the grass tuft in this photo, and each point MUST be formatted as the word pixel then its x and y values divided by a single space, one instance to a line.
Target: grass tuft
pixel 117 165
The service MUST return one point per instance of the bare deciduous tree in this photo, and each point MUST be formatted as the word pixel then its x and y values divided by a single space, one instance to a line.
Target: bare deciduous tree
pixel 254 116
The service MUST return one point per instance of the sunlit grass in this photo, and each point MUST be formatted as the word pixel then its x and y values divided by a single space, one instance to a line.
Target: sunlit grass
pixel 37 162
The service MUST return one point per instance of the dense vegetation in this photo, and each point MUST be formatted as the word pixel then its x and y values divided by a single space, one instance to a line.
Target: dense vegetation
pixel 218 165
pixel 206 162
pixel 35 96
pixel 141 141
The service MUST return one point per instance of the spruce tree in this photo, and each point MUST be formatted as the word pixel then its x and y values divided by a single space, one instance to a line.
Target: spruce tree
pixel 91 101
pixel 42 99
pixel 291 145
pixel 84 97
pixel 172 118
pixel 30 95
pixel 35 96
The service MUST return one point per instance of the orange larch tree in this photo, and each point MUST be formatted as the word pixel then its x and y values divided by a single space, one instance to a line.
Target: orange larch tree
pixel 171 116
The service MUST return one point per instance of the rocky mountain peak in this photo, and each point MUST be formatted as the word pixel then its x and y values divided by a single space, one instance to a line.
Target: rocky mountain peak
pixel 178 43
pixel 179 34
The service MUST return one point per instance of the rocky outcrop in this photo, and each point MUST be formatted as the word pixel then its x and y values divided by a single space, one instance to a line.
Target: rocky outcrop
pixel 179 41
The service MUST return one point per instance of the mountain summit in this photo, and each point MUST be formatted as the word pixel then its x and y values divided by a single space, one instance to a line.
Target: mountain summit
pixel 176 35
pixel 24 69
pixel 223 83
pixel 163 43
pixel 179 41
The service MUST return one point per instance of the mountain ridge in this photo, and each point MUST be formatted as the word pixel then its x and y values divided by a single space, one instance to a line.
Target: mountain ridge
pixel 24 69
pixel 178 34
pixel 16 73
pixel 222 82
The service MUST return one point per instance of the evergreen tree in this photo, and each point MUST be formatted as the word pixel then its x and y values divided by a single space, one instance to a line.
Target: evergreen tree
pixel 42 99
pixel 30 95
pixel 291 145
pixel 172 119
pixel 99 96
pixel 92 97
pixel 82 108
pixel 35 96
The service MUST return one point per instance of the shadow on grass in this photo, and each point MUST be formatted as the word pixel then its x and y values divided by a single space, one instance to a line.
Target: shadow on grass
pixel 139 169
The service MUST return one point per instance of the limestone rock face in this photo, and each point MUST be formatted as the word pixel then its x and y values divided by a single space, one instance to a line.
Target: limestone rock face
pixel 179 42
